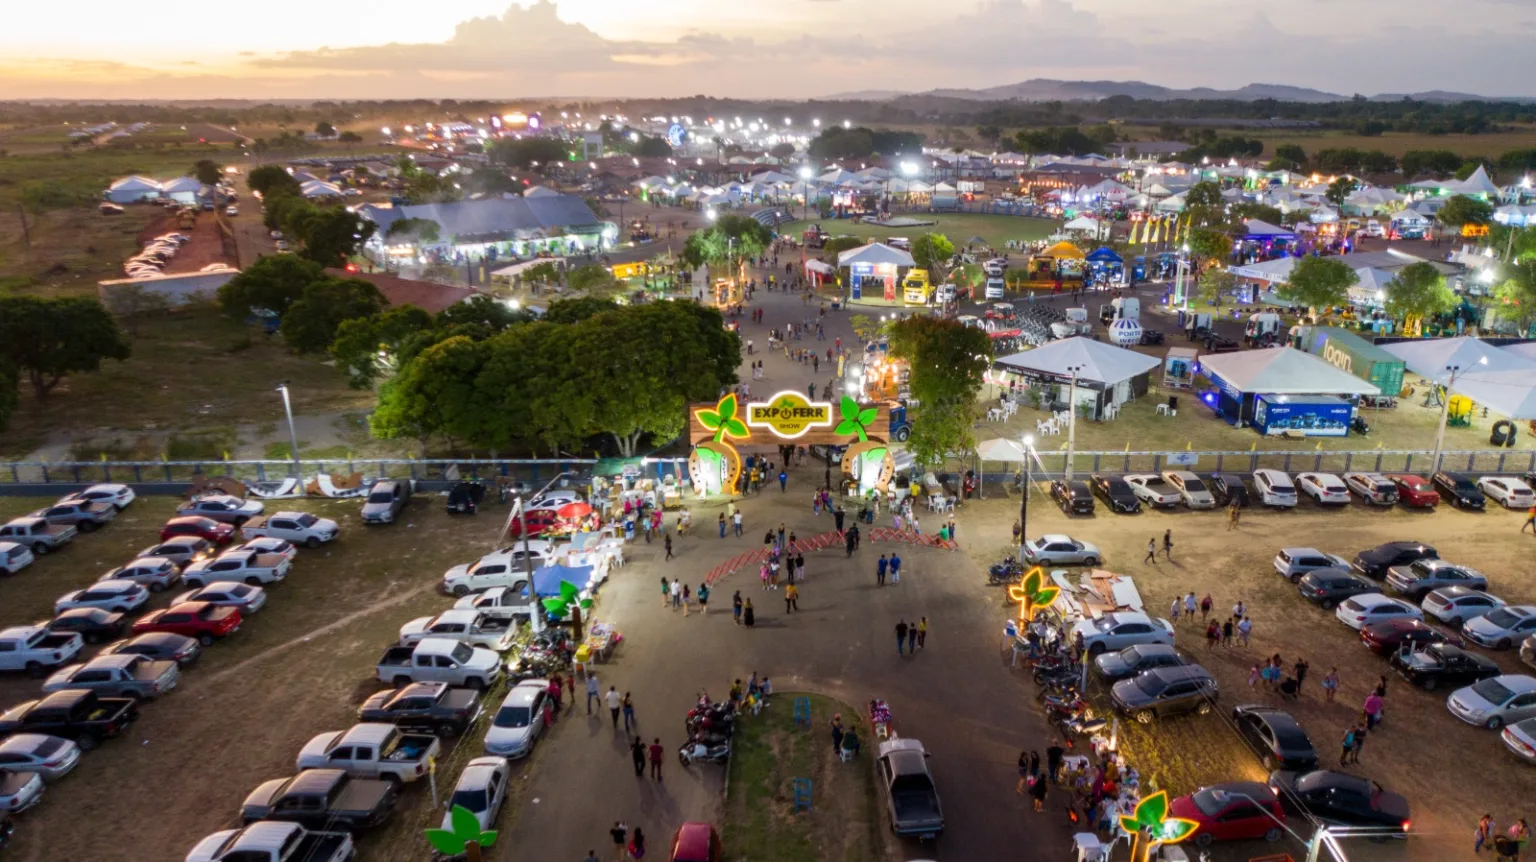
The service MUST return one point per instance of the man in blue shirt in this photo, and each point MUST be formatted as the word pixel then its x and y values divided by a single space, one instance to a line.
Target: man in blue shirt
pixel 880 571
pixel 895 569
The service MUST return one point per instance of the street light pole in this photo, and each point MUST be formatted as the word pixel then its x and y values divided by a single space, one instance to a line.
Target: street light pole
pixel 1029 451
pixel 1072 418
pixel 293 435
pixel 536 618
pixel 1445 412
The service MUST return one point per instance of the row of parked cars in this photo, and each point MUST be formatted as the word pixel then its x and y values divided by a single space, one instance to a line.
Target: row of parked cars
pixel 1275 489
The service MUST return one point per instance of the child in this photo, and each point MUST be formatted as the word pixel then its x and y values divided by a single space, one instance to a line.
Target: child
pixel 1330 684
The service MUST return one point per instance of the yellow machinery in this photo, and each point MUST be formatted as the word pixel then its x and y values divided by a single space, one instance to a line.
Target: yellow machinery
pixel 1458 413
pixel 916 289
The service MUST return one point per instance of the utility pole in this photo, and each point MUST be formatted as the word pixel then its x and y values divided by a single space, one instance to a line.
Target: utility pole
pixel 536 618
pixel 1072 418
pixel 1029 451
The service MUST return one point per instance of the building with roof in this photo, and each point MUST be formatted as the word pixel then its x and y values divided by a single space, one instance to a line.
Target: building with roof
pixel 494 228
pixel 132 189
pixel 429 296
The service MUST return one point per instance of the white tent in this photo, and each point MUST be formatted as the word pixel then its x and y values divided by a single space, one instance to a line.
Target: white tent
pixel 1283 371
pixel 943 189
pixel 1083 223
pixel 183 189
pixel 650 182
pixel 1476 184
pixel 1525 351
pixel 837 177
pixel 1001 449
pixel 1432 357
pixel 1173 204
pixel 772 177
pixel 134 188
pixel 876 253
pixel 1096 361
pixel 1256 227
pixel 1277 270
pixel 540 192
pixel 1512 393
pixel 1409 218
pixel 320 189
pixel 1372 281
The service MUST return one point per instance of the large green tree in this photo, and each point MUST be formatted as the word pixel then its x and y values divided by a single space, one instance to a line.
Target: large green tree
pixel 1318 282
pixel 207 172
pixel 528 152
pixel 368 348
pixel 947 360
pixel 330 234
pixel 48 338
pixel 1213 284
pixel 434 395
pixel 310 324
pixel 1461 210
pixel 269 178
pixel 731 238
pixel 271 283
pixel 1339 191
pixel 531 374
pixel 577 309
pixel 1517 296
pixel 1418 290
pixel 414 231
pixel 932 252
pixel 10 393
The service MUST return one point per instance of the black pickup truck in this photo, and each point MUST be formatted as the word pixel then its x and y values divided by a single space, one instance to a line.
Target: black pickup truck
pixel 430 707
pixel 911 799
pixel 77 714
pixel 321 799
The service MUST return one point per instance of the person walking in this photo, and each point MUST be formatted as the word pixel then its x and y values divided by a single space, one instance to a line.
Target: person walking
pixel 1239 610
pixel 1212 635
pixel 666 591
pixel 736 520
pixel 637 845
pixel 1025 775
pixel 592 691
pixel 1300 671
pixel 880 568
pixel 1330 684
pixel 637 753
pixel 1175 609
pixel 1205 607
pixel 656 752
pixel 677 594
pixel 901 636
pixel 1348 744
pixel 703 595
pixel 619 833
pixel 1053 758
pixel 687 594
pixel 1151 556
pixel 837 732
pixel 895 568
pixel 1244 629
pixel 1530 521
pixel 1189 605
pixel 1484 833
pixel 781 536
pixel 1226 632
pixel 1037 792
pixel 748 616
pixel 1234 512
pixel 628 707
pixel 666 541
pixel 912 639
pixel 736 608
pixel 615 702
pixel 1354 752
pixel 783 481
pixel 791 598
pixel 722 525
pixel 1372 709
pixel 1168 544
pixel 922 631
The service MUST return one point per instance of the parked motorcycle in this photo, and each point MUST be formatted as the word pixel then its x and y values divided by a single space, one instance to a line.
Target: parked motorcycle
pixel 1074 727
pixel 1057 673
pixel 703 752
pixel 1063 689
pixel 1009 571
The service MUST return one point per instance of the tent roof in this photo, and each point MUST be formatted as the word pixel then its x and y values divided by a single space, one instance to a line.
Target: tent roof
pixel 1255 227
pixel 1098 362
pixel 1371 279
pixel 1000 449
pixel 1410 216
pixel 1283 371
pixel 1082 223
pixel 319 189
pixel 181 184
pixel 135 183
pixel 1524 351
pixel 1431 357
pixel 1278 269
pixel 1063 249
pixel 539 192
pixel 1105 254
pixel 1477 183
pixel 546 580
pixel 875 253
pixel 490 216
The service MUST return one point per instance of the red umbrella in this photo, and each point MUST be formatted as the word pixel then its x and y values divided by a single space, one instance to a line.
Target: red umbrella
pixel 574 510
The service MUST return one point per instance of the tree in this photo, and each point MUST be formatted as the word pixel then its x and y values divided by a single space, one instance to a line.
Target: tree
pixel 782 151
pixel 839 244
pixel 281 206
pixel 578 308
pixel 368 348
pixel 350 137
pixel 1418 290
pixel 493 182
pixel 1208 245
pixel 932 252
pixel 947 360
pixel 1339 191
pixel 132 301
pixel 732 237
pixel 414 231
pixel 1213 284
pixel 1517 296
pixel 524 153
pixel 434 395
pixel 273 283
pixel 325 130
pixel 207 172
pixel 310 324
pixel 532 374
pixel 488 313
pixel 1461 210
pixel 589 277
pixel 1204 205
pixel 1262 212
pixel 267 178
pixel 10 393
pixel 1318 282
pixel 49 338
pixel 1292 153
pixel 330 235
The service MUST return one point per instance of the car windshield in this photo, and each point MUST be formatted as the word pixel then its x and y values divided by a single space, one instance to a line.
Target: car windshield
pixel 380 497
pixel 49 746
pixel 474 800
pixel 513 716
pixel 1210 801
pixel 462 653
pixel 1492 691
pixel 307 520
pixel 1130 655
pixel 1194 486
pixel 1421 568
pixel 1502 618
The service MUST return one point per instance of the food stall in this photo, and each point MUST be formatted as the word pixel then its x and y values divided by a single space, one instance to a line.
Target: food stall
pixel 1179 367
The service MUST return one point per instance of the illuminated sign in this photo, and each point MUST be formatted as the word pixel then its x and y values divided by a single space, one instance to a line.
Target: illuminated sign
pixel 789 414
pixel 675 135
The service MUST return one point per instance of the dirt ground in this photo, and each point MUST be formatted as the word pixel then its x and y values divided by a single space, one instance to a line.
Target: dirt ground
pixel 1419 740
pixel 206 246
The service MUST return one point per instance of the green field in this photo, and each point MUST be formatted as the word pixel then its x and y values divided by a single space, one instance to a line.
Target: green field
pixel 996 230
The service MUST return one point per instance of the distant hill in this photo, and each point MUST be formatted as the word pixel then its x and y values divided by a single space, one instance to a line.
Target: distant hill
pixel 1052 90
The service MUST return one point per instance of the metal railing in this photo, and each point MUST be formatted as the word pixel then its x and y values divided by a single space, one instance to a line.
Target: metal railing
pixel 1052 465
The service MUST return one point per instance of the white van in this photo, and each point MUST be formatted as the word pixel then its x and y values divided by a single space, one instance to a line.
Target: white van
pixel 996 289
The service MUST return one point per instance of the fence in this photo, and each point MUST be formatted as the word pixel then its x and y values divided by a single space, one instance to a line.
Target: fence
pixel 1052 465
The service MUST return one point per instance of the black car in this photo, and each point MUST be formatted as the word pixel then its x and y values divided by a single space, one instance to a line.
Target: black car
pixel 1073 496
pixel 1126 663
pixel 1226 487
pixel 1375 562
pixel 1327 587
pixel 74 713
pixel 1151 337
pixel 1443 664
pixel 95 625
pixel 1115 493
pixel 1165 691
pixel 321 799
pixel 1462 492
pixel 431 707
pixel 158 646
pixel 1337 799
pixel 1276 737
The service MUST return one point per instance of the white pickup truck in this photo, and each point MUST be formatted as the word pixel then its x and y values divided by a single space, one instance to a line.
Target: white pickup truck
pixel 36 650
pixel 497 603
pixel 246 566
pixel 38 534
pixel 505 567
pixel 372 751
pixel 440 660
pixel 274 841
pixel 471 627
pixel 300 528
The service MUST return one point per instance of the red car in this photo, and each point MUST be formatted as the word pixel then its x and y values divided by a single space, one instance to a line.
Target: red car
pixel 1388 636
pixel 696 842
pixel 539 520
pixel 200 620
pixel 1415 490
pixel 1236 811
pixel 203 528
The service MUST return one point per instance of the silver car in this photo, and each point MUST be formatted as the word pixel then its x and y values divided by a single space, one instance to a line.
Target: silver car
pixel 19 790
pixel 1191 488
pixel 1057 549
pixel 52 757
pixel 519 720
pixel 385 500
pixel 1502 628
pixel 227 594
pixel 182 550
pixel 1292 563
pixel 482 789
pixel 1520 739
pixel 157 573
pixel 1455 605
pixel 1495 702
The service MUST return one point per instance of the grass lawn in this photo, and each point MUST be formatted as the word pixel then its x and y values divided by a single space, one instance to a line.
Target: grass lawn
pixel 770 751
pixel 958 227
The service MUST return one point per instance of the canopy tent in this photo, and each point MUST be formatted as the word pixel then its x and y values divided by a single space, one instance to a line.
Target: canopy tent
pixel 1001 449
pixel 1063 251
pixel 539 192
pixel 1512 393
pixel 1282 371
pixel 1107 189
pixel 837 177
pixel 650 182
pixel 1432 357
pixel 1096 361
pixel 1083 223
pixel 976 240
pixel 944 189
pixel 546 579
pixel 875 254
pixel 1409 218
pixel 1371 281
pixel 1524 351
pixel 1262 229
pixel 772 177
pixel 814 265
pixel 320 189
pixel 1104 254
pixel 1172 204
pixel 1476 184
pixel 1515 216
pixel 1273 271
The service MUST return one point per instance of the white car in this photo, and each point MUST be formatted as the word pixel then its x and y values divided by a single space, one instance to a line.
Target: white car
pixel 995 266
pixel 1153 490
pixel 51 757
pixel 1325 489
pixel 19 790
pixel 226 594
pixel 1274 488
pixel 1292 563
pixel 118 495
pixel 995 288
pixel 157 573
pixel 1511 493
pixel 1191 489
pixel 482 789
pixel 506 567
pixel 1357 612
pixel 14 557
pixel 1455 605
pixel 300 528
pixel 517 723
pixel 1502 628
pixel 1495 702
pixel 1057 549
pixel 269 545
pixel 1119 630
pixel 119 596
pixel 1373 488
pixel 551 501
pixel 182 550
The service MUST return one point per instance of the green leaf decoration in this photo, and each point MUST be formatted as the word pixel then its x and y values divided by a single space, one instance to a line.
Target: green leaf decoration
pixel 586 603
pixel 727 407
pixel 848 409
pixel 710 419
pixel 1176 829
pixel 847 426
pixel 736 428
pixel 1151 811
pixel 1045 597
pixel 446 842
pixel 555 605
pixel 568 592
pixel 1031 585
pixel 867 415
pixel 465 825
pixel 1129 824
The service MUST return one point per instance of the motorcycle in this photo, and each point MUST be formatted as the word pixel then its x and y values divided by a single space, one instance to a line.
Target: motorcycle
pixel 1064 689
pixel 1083 726
pixel 1058 708
pixel 1009 571
pixel 695 750
pixel 1051 675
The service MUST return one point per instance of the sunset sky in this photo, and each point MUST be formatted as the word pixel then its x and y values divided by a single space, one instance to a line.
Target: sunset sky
pixel 753 48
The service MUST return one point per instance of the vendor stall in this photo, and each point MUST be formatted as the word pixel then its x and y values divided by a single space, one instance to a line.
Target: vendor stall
pixel 1179 367
pixel 1106 375
pixel 1280 388
pixel 1104 266
pixel 1062 261
pixel 875 268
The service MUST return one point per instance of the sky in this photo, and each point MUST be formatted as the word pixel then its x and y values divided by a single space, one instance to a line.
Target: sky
pixel 297 49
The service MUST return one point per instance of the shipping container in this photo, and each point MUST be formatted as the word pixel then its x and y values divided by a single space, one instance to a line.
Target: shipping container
pixel 1347 351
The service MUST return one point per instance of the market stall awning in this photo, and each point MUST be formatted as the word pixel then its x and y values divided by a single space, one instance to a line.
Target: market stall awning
pixel 1277 270
pixel 1104 254
pixel 546 580
pixel 1512 393
pixel 1432 357
pixel 1087 223
pixel 1256 228
pixel 1000 449
pixel 1063 251
pixel 1524 351
pixel 1283 371
pixel 1096 361
pixel 875 254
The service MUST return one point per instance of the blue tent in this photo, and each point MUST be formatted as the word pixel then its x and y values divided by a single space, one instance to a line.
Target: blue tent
pixel 1104 254
pixel 546 580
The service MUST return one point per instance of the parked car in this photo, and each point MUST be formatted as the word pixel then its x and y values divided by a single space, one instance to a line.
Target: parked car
pixel 371 751
pixel 1460 490
pixel 299 528
pixel 321 799
pixel 1127 663
pixel 236 565
pixel 207 623
pixel 1073 497
pixel 1121 629
pixel 1520 739
pixel 14 557
pixel 1115 492
pixel 1292 563
pixel 1235 811
pixel 1366 608
pixel 223 508
pixel 182 550
pixel 1153 490
pixel 1057 549
pixel 504 567
pixel 1389 636
pixel 1339 799
pixel 1502 628
pixel 470 627
pixel 1327 587
pixel 19 790
pixel 386 499
pixel 1415 490
pixel 519 720
pixel 132 676
pixel 246 598
pixel 696 842
pixel 1165 691
pixel 440 660
pixel 1456 604
pixel 83 716
pixel 153 573
pixel 498 603
pixel 163 646
pixel 538 523
pixel 94 624
pixel 1509 493
pixel 51 757
pixel 1227 487
pixel 1495 702
pixel 37 534
pixel 482 789
pixel 1274 488
pixel 1418 578
pixel 1191 489
pixel 424 707
pixel 270 546
pixel 273 841
pixel 911 798
pixel 112 595
pixel 1276 737
pixel 84 515
pixel 1378 561
pixel 1325 489
pixel 197 527
pixel 118 495
pixel 36 649
pixel 1442 665
pixel 1527 650
pixel 1373 488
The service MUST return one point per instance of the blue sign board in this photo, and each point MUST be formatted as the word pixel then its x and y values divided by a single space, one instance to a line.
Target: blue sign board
pixel 1314 416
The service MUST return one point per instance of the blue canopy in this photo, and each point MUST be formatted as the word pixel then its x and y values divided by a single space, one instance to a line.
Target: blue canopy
pixel 1104 254
pixel 546 580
